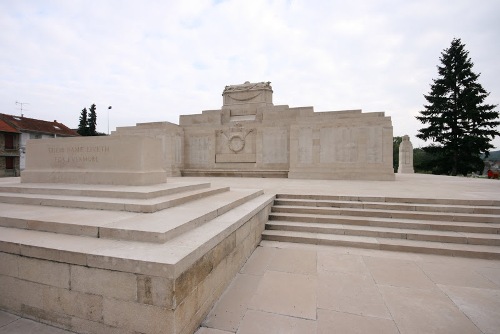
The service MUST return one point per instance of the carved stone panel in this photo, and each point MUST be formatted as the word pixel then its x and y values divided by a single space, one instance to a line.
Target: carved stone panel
pixel 305 146
pixel 274 146
pixel 235 144
pixel 338 145
pixel 198 149
pixel 374 144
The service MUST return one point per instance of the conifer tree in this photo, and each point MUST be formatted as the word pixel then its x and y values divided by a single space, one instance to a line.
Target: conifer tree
pixel 82 126
pixel 457 119
pixel 92 121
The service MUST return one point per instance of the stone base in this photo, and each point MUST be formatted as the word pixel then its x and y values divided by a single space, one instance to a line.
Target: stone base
pixel 376 175
pixel 235 173
pixel 95 177
pixel 406 170
pixel 87 298
pixel 117 160
pixel 66 268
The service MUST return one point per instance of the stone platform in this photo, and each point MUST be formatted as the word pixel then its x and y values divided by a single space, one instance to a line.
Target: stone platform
pixel 147 286
pixel 117 259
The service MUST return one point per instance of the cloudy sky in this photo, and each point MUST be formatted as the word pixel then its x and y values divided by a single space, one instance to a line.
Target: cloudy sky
pixel 156 60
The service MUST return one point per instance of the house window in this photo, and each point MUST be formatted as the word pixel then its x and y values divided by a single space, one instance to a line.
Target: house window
pixel 9 141
pixel 35 136
pixel 9 162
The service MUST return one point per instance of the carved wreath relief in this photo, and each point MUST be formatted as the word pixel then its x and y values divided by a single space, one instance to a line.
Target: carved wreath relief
pixel 236 137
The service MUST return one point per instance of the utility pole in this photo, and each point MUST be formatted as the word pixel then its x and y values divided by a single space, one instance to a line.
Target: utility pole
pixel 21 104
pixel 108 118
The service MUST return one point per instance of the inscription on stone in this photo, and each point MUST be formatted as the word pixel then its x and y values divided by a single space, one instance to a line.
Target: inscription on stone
pixel 199 149
pixel 305 146
pixel 275 148
pixel 77 155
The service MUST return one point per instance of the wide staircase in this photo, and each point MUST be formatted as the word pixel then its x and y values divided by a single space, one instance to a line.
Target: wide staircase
pixel 468 228
pixel 123 259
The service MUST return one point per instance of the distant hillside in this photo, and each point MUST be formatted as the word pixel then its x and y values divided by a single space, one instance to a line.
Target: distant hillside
pixel 494 156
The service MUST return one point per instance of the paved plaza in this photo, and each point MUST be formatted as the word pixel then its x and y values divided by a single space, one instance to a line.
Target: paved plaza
pixel 291 288
pixel 295 288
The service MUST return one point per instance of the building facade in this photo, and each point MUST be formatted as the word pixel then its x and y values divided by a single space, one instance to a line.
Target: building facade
pixel 15 131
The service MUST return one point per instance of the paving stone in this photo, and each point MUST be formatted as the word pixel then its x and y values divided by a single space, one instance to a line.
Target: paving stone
pixel 232 305
pixel 258 263
pixel 296 298
pixel 350 293
pixel 263 322
pixel 346 323
pixel 7 318
pixel 296 261
pixel 425 311
pixel 482 306
pixel 456 274
pixel 398 273
pixel 343 263
pixel 26 326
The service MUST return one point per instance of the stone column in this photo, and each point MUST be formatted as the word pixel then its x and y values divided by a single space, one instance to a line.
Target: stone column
pixel 405 156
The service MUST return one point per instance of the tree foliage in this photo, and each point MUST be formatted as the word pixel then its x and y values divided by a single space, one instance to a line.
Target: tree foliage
pixel 82 126
pixel 88 122
pixel 457 119
pixel 92 122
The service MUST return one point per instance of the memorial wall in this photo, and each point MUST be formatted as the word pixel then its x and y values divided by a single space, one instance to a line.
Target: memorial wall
pixel 111 160
pixel 250 136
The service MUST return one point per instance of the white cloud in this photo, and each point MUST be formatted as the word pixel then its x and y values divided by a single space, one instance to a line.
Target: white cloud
pixel 155 60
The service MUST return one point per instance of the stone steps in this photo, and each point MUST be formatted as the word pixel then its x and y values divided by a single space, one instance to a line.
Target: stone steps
pixel 418 207
pixel 399 245
pixel 412 200
pixel 80 268
pixel 396 214
pixel 390 222
pixel 438 226
pixel 108 191
pixel 170 223
pixel 112 201
pixel 154 227
pixel 159 259
pixel 384 232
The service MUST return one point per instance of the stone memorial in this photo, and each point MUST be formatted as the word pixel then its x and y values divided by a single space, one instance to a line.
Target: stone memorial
pixel 250 136
pixel 405 156
pixel 95 160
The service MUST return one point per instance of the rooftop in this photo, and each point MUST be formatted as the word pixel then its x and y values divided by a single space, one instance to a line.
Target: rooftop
pixel 25 124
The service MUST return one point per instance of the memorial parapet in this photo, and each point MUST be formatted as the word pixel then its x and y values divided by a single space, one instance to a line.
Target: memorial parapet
pixel 118 160
pixel 250 136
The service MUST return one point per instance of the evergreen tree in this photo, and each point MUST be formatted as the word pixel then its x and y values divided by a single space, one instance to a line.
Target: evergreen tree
pixel 82 126
pixel 92 121
pixel 458 121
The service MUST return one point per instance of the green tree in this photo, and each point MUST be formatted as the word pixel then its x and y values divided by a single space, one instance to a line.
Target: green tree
pixel 458 121
pixel 88 122
pixel 396 141
pixel 92 121
pixel 82 126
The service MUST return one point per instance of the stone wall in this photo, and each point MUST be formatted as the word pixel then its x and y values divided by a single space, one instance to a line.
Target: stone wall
pixel 95 160
pixel 74 295
pixel 354 146
pixel 172 142
pixel 250 136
